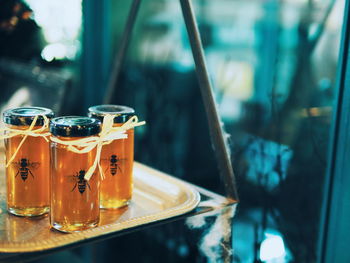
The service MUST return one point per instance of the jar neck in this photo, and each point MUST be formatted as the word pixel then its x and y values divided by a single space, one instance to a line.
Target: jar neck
pixel 63 138
pixel 24 127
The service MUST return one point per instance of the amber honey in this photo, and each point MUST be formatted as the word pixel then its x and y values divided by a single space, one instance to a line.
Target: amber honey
pixel 117 159
pixel 74 200
pixel 27 176
pixel 117 163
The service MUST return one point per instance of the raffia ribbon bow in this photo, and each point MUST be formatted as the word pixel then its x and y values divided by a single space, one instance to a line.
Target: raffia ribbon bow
pixel 8 132
pixel 107 135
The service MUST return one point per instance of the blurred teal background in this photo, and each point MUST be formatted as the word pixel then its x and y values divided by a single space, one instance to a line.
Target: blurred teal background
pixel 273 65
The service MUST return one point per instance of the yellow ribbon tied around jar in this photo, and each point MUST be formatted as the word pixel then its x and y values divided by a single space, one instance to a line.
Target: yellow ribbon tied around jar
pixel 8 132
pixel 108 134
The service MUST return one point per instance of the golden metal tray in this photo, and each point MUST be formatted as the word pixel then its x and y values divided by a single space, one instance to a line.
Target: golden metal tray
pixel 156 197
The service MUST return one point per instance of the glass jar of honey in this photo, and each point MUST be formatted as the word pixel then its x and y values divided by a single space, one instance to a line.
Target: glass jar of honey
pixel 117 159
pixel 74 200
pixel 27 175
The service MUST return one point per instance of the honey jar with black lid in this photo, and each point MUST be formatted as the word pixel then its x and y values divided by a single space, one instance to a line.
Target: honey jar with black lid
pixel 28 160
pixel 74 200
pixel 117 159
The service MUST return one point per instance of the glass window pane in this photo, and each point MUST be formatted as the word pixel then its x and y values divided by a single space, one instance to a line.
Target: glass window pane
pixel 273 66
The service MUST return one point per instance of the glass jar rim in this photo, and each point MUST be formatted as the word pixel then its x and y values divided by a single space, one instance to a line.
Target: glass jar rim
pixel 24 116
pixel 122 113
pixel 75 126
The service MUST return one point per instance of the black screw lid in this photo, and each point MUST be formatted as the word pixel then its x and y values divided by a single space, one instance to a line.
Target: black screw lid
pixel 75 126
pixel 122 113
pixel 24 116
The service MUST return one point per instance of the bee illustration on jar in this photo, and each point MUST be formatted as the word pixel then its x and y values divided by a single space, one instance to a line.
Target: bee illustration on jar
pixel 24 167
pixel 114 164
pixel 80 182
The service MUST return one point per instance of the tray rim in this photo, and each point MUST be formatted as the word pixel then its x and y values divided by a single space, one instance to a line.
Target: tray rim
pixel 101 231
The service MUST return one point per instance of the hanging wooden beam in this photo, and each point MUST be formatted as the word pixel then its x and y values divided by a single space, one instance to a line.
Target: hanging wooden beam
pixel 217 133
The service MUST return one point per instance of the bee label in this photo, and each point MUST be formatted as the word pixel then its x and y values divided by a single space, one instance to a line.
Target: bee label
pixel 79 182
pixel 114 164
pixel 25 168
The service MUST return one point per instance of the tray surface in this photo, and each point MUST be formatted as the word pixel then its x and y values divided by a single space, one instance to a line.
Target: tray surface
pixel 156 197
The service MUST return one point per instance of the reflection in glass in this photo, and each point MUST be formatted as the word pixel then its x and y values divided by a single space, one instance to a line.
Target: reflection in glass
pixel 273 65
